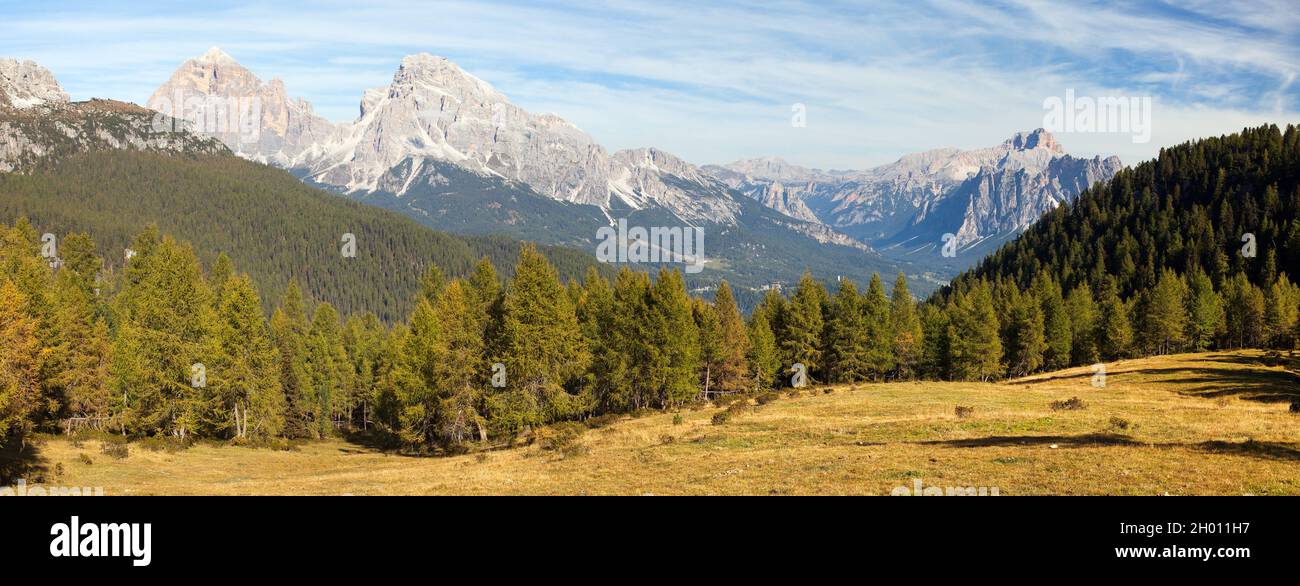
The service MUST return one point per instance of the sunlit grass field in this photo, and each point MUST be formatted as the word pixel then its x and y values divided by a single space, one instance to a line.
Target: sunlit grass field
pixel 1215 423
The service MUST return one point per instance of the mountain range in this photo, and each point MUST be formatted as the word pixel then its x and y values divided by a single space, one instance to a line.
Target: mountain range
pixel 447 149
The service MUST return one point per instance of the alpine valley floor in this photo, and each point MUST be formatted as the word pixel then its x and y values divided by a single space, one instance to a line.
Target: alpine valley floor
pixel 1213 423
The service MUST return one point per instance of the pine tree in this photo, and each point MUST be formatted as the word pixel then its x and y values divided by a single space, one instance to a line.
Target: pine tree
pixel 906 327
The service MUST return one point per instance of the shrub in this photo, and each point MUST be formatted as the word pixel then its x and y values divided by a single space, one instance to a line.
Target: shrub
pixel 666 439
pixel 114 450
pixel 561 437
pixel 85 459
pixel 1071 404
pixel 729 413
pixel 1120 424
pixel 600 421
pixel 678 419
pixel 964 411
pixel 481 457
pixel 162 444
pixel 1295 405
pixel 768 397
pixel 727 400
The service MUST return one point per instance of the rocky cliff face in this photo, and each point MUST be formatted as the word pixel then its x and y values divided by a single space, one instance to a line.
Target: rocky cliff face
pixel 24 84
pixel 38 123
pixel 976 194
pixel 222 99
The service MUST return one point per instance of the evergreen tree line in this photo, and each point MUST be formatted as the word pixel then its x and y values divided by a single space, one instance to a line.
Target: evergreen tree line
pixel 166 348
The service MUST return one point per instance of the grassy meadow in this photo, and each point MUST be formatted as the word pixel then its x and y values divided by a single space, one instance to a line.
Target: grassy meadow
pixel 1214 423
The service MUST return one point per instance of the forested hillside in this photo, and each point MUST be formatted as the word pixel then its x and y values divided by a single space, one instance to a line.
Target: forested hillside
pixel 264 219
pixel 1194 250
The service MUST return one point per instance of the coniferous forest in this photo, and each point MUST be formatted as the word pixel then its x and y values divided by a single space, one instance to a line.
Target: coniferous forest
pixel 1158 261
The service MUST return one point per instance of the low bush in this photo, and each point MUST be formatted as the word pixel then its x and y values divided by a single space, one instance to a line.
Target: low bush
pixel 117 451
pixel 1071 404
pixel 963 411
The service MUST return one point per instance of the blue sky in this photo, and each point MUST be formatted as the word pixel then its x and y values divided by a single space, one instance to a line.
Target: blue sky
pixel 715 81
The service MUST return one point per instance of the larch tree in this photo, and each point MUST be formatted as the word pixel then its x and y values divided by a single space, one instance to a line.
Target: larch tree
pixel 732 373
pixel 905 324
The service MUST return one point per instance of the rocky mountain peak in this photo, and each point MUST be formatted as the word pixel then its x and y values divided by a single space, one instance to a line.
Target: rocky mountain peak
pixel 255 119
pixel 216 55
pixel 441 75
pixel 1035 139
pixel 24 84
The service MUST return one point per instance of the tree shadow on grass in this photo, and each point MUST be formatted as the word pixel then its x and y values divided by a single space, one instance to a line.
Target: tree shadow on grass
pixel 1265 386
pixel 20 462
pixel 1277 451
pixel 1068 441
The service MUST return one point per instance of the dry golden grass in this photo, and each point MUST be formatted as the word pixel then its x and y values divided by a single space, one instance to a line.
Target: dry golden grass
pixel 1198 424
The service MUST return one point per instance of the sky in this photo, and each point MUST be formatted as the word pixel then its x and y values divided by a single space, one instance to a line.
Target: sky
pixel 719 81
